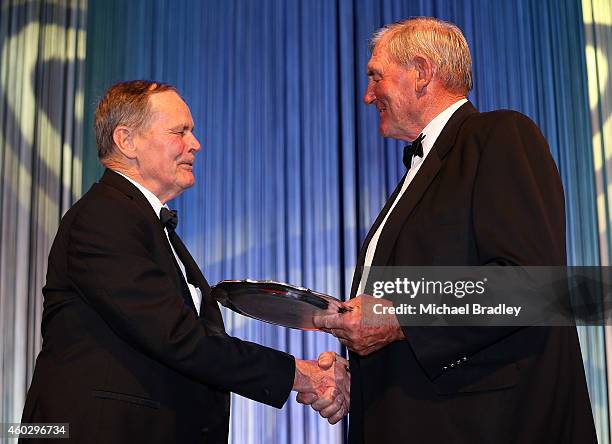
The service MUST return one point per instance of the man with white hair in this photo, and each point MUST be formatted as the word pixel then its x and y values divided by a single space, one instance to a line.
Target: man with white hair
pixel 481 189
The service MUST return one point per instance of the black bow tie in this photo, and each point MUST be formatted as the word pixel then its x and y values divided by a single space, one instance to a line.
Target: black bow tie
pixel 414 149
pixel 169 218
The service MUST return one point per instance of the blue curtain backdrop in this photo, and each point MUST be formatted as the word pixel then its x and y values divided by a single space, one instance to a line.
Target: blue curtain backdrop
pixel 293 170
pixel 42 61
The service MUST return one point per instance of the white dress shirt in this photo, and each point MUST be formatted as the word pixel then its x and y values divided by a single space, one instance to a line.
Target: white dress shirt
pixel 431 133
pixel 196 293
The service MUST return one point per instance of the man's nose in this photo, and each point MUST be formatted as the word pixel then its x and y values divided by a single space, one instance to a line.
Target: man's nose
pixel 194 143
pixel 369 97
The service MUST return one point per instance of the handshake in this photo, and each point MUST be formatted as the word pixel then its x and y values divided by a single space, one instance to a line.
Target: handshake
pixel 324 384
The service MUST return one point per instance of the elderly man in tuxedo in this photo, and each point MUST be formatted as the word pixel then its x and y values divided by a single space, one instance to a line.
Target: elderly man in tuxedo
pixel 480 189
pixel 134 347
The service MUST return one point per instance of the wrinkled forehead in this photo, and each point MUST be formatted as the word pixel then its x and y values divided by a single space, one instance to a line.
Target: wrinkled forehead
pixel 168 103
pixel 380 57
pixel 166 100
pixel 168 109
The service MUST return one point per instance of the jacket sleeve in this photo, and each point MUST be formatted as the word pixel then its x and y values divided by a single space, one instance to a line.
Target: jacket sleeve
pixel 111 265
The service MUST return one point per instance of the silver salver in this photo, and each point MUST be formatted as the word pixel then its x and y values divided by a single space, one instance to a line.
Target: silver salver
pixel 276 302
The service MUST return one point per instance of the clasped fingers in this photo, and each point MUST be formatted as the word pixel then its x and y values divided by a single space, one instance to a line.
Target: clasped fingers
pixel 333 406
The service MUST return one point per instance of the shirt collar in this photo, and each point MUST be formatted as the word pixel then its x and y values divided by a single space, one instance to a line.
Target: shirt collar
pixel 152 198
pixel 435 127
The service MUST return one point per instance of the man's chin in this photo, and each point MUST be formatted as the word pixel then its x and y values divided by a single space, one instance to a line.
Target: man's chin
pixel 187 180
pixel 389 133
pixel 384 131
pixel 384 128
pixel 381 129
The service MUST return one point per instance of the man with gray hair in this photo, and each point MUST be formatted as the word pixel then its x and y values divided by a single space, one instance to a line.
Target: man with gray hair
pixel 480 189
pixel 134 347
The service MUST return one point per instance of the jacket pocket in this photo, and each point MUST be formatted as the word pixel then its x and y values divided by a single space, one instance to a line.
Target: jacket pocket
pixel 477 378
pixel 103 394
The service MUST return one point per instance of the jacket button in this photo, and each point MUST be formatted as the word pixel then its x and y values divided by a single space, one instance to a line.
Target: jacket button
pixel 266 392
pixel 204 430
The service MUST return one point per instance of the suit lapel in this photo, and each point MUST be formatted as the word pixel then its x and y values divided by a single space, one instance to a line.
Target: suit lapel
pixel 209 307
pixel 404 207
pixel 419 185
pixel 194 275
pixel 120 183
pixel 364 247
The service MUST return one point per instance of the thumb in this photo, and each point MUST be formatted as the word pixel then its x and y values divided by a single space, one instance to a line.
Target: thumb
pixel 326 360
pixel 306 398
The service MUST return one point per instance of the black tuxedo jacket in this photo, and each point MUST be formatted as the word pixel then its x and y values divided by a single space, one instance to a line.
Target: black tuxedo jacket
pixel 125 358
pixel 488 193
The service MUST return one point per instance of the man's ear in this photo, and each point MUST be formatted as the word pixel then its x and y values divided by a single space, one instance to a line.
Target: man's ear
pixel 425 72
pixel 123 136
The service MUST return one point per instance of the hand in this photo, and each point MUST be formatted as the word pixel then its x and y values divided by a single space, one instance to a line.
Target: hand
pixel 324 385
pixel 359 335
